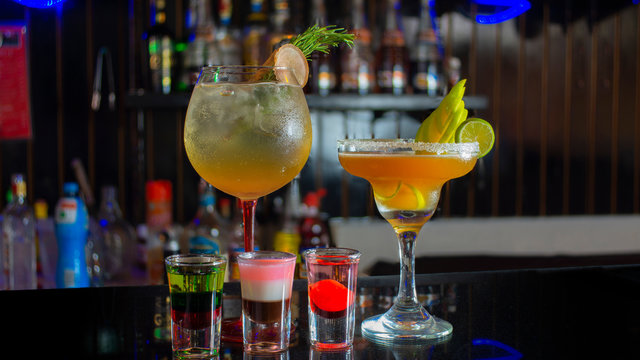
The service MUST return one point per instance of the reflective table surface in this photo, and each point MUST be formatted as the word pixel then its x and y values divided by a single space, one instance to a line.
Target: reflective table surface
pixel 563 313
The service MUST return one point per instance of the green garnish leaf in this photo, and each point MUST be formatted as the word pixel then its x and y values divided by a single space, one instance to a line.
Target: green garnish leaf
pixel 320 39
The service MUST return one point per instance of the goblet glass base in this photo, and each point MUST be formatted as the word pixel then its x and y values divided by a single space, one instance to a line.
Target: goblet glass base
pixel 402 326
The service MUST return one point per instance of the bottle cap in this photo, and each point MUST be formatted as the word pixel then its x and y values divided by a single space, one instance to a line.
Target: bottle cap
pixel 41 209
pixel 159 190
pixel 109 192
pixel 312 199
pixel 18 185
pixel 70 188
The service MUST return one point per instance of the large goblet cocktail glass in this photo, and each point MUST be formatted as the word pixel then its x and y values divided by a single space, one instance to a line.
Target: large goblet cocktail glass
pixel 247 132
pixel 406 178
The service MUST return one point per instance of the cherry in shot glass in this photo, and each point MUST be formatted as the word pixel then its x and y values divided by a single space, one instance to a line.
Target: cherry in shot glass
pixel 332 276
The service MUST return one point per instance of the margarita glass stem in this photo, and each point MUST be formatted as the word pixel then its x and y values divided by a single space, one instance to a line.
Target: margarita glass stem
pixel 248 219
pixel 407 299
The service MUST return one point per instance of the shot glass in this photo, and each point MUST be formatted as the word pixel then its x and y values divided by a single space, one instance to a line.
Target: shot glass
pixel 266 278
pixel 331 354
pixel 195 286
pixel 332 276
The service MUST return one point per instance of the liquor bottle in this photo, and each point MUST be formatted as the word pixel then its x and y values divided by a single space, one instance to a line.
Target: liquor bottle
pixel 428 74
pixel 287 238
pixel 95 246
pixel 322 72
pixel 189 70
pixel 160 48
pixel 159 195
pixel 392 58
pixel 19 239
pixel 228 42
pixel 72 229
pixel 281 28
pixel 46 246
pixel 357 63
pixel 313 230
pixel 119 237
pixel 205 232
pixel 202 47
pixel 255 50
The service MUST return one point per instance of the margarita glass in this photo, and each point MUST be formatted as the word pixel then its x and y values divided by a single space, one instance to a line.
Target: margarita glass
pixel 247 132
pixel 406 178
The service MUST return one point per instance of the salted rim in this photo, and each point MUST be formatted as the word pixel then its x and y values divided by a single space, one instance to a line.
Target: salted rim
pixel 384 145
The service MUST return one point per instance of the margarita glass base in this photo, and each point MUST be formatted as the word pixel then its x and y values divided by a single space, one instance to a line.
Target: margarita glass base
pixel 405 326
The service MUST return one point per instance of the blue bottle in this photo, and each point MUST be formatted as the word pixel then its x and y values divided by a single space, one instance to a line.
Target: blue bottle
pixel 72 229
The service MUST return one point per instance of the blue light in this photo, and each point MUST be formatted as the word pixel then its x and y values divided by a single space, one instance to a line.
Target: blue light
pixel 513 354
pixel 513 9
pixel 40 4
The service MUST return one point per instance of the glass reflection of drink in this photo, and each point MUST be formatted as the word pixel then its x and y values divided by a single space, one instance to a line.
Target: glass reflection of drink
pixel 195 285
pixel 266 279
pixel 247 132
pixel 406 178
pixel 332 277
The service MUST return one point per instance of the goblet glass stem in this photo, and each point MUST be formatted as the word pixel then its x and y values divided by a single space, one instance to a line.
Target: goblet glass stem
pixel 407 320
pixel 248 217
pixel 407 299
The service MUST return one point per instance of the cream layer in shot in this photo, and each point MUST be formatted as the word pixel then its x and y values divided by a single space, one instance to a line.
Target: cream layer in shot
pixel 266 279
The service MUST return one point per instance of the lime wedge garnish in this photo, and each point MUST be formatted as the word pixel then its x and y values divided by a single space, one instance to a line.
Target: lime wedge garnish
pixel 477 130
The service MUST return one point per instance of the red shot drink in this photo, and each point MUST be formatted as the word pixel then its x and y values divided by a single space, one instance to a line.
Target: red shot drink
pixel 332 276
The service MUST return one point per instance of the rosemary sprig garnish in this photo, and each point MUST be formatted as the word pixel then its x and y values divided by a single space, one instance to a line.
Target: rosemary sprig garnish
pixel 320 39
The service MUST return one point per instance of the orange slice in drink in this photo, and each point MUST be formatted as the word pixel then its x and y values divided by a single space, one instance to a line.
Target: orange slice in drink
pixel 291 57
pixel 400 196
pixel 386 191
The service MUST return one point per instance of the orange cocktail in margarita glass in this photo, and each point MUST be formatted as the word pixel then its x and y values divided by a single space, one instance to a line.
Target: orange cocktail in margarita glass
pixel 406 177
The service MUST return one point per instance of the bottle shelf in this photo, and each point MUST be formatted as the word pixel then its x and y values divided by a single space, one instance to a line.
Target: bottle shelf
pixel 339 102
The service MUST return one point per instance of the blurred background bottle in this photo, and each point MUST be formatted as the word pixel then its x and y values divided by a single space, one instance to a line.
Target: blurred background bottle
pixel 19 239
pixel 119 238
pixel 46 245
pixel 322 70
pixel 160 48
pixel 313 230
pixel 255 41
pixel 202 47
pixel 357 63
pixel 72 227
pixel 281 27
pixel 428 70
pixel 95 246
pixel 392 57
pixel 287 238
pixel 159 217
pixel 205 233
pixel 229 43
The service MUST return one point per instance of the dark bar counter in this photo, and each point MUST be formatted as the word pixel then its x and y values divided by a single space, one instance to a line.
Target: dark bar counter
pixel 561 313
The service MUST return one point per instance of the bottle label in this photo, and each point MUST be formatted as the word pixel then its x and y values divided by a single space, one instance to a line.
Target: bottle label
pixel 426 82
pixel 392 79
pixel 69 278
pixel 360 80
pixel 203 245
pixel 67 211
